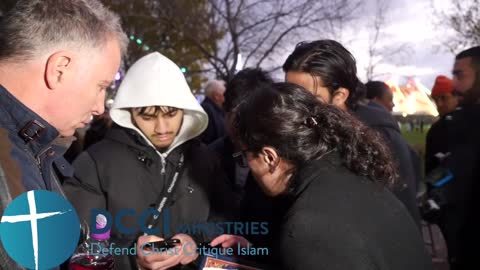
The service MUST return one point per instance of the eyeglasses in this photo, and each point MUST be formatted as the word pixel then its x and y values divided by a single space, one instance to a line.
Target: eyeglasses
pixel 240 158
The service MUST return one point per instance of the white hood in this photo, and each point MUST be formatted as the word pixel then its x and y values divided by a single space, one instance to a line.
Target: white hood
pixel 155 80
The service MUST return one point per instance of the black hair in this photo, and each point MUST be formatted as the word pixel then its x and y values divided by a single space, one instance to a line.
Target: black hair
pixel 242 85
pixel 156 110
pixel 332 63
pixel 376 89
pixel 473 95
pixel 473 52
pixel 290 119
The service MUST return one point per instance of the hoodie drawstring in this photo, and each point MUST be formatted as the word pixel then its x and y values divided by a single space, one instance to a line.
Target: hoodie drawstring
pixel 164 163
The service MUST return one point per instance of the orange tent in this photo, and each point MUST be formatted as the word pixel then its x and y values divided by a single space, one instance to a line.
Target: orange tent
pixel 412 98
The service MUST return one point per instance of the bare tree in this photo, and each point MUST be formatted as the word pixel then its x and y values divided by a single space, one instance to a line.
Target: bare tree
pixel 378 49
pixel 463 19
pixel 149 26
pixel 256 29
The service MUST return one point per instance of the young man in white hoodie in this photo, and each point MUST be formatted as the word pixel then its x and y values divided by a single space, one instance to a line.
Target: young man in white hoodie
pixel 150 154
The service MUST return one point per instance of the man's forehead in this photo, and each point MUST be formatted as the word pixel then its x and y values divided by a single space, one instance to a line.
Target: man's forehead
pixel 442 95
pixel 157 109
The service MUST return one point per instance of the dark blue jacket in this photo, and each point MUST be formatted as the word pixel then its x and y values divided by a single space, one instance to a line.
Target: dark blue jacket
pixel 29 155
pixel 378 118
pixel 216 127
pixel 34 148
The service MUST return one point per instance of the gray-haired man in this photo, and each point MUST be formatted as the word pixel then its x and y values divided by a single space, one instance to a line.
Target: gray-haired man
pixel 57 57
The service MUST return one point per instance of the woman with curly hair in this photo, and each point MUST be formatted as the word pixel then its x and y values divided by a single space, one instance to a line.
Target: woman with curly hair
pixel 333 174
pixel 329 71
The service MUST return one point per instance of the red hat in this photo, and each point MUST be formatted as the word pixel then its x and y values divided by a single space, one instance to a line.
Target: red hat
pixel 442 85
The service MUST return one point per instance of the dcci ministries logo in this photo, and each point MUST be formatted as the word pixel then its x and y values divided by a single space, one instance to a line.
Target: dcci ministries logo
pixel 39 229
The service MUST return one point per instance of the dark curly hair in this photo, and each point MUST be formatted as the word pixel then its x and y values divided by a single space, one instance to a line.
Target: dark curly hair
pixel 301 128
pixel 332 63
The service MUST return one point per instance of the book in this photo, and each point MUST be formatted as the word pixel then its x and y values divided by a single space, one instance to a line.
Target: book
pixel 215 262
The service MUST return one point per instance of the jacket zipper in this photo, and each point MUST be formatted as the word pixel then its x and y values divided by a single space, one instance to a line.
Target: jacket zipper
pixel 164 163
pixel 39 162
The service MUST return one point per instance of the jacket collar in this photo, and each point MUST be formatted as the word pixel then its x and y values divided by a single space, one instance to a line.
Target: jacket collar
pixel 24 123
pixel 131 138
pixel 309 171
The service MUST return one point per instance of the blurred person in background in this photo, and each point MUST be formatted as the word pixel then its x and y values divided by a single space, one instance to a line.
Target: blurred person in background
pixel 437 139
pixel 213 106
pixel 380 93
pixel 444 96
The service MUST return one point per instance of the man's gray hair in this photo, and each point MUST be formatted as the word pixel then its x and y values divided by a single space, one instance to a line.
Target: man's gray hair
pixel 213 87
pixel 33 27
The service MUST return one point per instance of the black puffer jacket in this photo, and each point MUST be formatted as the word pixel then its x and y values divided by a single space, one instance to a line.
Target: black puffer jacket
pixel 122 171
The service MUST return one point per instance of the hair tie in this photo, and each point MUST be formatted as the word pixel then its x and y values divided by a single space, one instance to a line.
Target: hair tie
pixel 311 122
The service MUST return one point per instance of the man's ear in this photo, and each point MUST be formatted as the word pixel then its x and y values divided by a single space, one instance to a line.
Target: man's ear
pixel 340 97
pixel 57 67
pixel 270 157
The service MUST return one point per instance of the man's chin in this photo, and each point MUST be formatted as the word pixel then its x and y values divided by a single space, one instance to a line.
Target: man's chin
pixel 162 147
pixel 67 133
pixel 71 131
pixel 161 144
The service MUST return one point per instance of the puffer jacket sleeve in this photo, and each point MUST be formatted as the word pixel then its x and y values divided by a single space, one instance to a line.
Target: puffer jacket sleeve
pixel 84 189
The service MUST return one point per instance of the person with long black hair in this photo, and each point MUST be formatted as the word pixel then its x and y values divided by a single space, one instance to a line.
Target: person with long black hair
pixel 329 71
pixel 333 173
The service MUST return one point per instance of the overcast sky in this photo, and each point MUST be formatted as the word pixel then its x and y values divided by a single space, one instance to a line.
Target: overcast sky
pixel 412 21
pixel 408 21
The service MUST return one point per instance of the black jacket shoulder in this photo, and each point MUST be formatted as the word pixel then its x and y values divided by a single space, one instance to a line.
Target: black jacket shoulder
pixel 339 220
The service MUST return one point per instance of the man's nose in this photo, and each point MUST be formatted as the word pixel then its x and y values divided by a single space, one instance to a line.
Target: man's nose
pixel 99 107
pixel 161 125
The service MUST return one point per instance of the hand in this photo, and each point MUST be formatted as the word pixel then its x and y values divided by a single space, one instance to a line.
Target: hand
pixel 229 240
pixel 181 254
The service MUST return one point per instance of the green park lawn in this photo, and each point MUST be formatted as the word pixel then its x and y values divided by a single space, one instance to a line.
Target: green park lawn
pixel 417 140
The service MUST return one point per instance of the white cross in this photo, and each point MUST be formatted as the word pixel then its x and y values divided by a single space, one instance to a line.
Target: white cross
pixel 32 218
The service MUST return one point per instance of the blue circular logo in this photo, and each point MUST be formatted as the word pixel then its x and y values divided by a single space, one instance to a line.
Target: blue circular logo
pixel 40 229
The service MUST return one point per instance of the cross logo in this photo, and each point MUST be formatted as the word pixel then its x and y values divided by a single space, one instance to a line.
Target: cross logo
pixel 39 229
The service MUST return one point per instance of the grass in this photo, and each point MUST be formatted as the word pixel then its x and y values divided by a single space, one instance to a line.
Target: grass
pixel 417 140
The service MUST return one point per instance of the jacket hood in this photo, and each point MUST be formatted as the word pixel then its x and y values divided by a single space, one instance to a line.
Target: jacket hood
pixel 155 80
pixel 374 115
